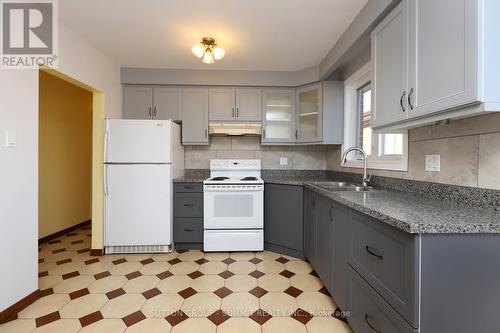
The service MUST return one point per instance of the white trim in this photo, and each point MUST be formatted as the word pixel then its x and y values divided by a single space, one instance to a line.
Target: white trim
pixel 351 85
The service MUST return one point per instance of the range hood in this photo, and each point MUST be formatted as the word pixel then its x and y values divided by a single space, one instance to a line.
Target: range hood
pixel 223 129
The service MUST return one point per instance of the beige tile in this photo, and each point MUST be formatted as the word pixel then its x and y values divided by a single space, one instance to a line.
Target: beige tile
pixel 270 266
pixel 18 326
pixel 67 268
pixel 125 268
pixel 245 143
pixel 198 159
pixel 111 257
pixel 458 160
pixel 137 257
pixel 241 283
pixel 105 325
pixel 44 306
pixel 274 282
pixel 165 256
pixel 309 160
pixel 241 267
pixel 298 266
pixel 316 303
pixel 278 304
pixel 49 281
pixel 333 159
pixel 60 326
pixel 213 267
pixel 489 161
pixel 107 284
pixel 141 284
pixel 154 268
pixel 242 256
pixel 83 306
pixel 220 143
pixel 267 255
pixel 327 325
pixel 470 126
pixel 174 284
pixel 271 159
pixel 46 266
pixel 60 256
pixel 191 255
pixel 208 283
pixel 184 268
pixel 191 325
pixel 98 267
pixel 150 325
pixel 306 282
pixel 240 304
pixel 419 134
pixel 123 305
pixel 236 154
pixel 73 284
pixel 216 256
pixel 201 305
pixel 162 305
pixel 283 324
pixel 239 325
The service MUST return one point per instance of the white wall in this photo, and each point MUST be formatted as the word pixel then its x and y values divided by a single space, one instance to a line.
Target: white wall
pixel 18 186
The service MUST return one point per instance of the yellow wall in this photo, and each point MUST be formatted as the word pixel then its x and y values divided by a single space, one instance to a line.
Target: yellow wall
pixel 65 154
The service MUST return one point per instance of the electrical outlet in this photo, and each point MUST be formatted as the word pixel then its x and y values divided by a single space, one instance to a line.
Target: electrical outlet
pixel 432 162
pixel 283 160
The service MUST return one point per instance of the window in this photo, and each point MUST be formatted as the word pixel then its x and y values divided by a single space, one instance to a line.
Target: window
pixel 387 151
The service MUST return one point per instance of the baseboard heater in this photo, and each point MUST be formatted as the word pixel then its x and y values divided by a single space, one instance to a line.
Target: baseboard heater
pixel 137 249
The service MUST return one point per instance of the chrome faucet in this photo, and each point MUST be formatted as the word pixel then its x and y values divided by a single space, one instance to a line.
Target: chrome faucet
pixel 366 178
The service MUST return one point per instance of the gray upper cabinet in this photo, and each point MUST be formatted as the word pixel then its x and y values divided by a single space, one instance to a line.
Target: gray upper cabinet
pixel 389 68
pixel 195 116
pixel 167 103
pixel 240 104
pixel 137 102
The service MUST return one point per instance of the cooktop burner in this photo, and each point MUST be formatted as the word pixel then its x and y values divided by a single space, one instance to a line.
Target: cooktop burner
pixel 219 178
pixel 249 178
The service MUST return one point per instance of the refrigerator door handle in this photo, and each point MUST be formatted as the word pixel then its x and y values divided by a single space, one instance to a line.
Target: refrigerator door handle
pixel 106 180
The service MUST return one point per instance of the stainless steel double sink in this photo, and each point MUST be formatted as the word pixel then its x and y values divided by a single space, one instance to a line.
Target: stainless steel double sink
pixel 343 186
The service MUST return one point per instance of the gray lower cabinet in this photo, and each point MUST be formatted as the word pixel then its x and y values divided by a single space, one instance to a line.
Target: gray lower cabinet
pixel 324 244
pixel 188 216
pixel 310 226
pixel 338 261
pixel 283 219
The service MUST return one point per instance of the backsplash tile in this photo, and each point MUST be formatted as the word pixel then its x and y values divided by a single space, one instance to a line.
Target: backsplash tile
pixel 489 161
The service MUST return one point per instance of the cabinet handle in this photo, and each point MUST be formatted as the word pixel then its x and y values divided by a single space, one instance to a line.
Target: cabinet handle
pixel 237 112
pixel 401 101
pixel 330 213
pixel 188 187
pixel 296 134
pixel 206 134
pixel 373 253
pixel 234 116
pixel 409 99
pixel 188 205
pixel 367 319
pixel 150 114
pixel 188 230
pixel 154 112
pixel 264 133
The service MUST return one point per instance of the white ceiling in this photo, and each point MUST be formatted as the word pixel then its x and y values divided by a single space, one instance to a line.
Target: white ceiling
pixel 286 35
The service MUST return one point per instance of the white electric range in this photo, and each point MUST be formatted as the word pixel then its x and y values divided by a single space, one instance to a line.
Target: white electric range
pixel 233 206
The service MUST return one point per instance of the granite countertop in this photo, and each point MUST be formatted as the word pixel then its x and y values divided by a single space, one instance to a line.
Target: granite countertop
pixel 190 179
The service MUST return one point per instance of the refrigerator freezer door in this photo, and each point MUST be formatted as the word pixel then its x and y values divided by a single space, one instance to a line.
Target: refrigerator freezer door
pixel 138 204
pixel 137 141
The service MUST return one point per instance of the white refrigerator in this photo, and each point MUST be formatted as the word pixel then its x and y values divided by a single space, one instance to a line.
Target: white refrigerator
pixel 141 159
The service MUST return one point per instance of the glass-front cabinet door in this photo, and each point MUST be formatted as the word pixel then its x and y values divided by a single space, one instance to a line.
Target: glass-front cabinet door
pixel 278 116
pixel 309 113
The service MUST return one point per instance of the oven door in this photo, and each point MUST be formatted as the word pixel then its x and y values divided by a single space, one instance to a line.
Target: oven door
pixel 233 206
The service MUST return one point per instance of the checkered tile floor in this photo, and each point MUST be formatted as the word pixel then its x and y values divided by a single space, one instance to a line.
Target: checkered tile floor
pixel 188 291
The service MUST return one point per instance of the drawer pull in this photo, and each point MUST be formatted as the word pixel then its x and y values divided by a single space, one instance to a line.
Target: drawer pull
pixel 188 187
pixel 188 205
pixel 373 253
pixel 371 325
pixel 188 230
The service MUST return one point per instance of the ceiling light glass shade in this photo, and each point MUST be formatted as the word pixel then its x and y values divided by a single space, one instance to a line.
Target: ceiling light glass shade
pixel 198 50
pixel 219 53
pixel 208 58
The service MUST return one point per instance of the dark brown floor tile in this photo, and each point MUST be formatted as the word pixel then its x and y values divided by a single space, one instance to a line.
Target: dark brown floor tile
pixel 41 260
pixel 223 292
pixel 79 293
pixel 218 317
pixel 313 273
pixel 255 260
pixel 83 250
pixel 260 316
pixel 176 318
pixel 324 291
pixel 119 261
pixel 48 318
pixel 256 274
pixel 91 261
pixel 77 241
pixel 195 274
pixel 339 315
pixel 258 292
pixel 71 234
pixel 102 275
pixel 46 292
pixel 58 251
pixel 164 275
pixel 226 274
pixel 151 293
pixel 91 318
pixel 182 251
pixel 286 273
pixel 64 261
pixel 188 292
pixel 301 316
pixel 42 274
pixel 70 275
pixel 228 261
pixel 133 318
pixel 174 261
pixel 201 261
pixel 55 241
pixel 147 261
pixel 115 293
pixel 292 291
pixel 282 260
pixel 86 228
pixel 133 275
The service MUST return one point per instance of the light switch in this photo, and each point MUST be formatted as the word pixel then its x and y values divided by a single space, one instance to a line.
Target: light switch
pixel 283 160
pixel 432 162
pixel 10 139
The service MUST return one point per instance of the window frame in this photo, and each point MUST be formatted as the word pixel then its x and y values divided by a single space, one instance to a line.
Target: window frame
pixel 351 128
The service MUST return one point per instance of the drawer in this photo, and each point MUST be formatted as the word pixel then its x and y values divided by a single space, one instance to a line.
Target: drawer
pixel 387 259
pixel 188 230
pixel 369 313
pixel 189 205
pixel 188 187
pixel 233 240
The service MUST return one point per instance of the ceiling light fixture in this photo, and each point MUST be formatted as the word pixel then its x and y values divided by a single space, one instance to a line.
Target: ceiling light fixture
pixel 207 50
